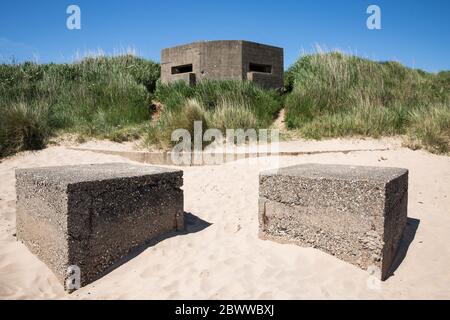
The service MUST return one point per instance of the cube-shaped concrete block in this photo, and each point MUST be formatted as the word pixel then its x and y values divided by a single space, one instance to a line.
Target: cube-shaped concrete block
pixel 92 216
pixel 352 212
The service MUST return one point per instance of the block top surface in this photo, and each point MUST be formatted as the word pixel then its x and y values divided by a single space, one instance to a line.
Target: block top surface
pixel 93 172
pixel 338 172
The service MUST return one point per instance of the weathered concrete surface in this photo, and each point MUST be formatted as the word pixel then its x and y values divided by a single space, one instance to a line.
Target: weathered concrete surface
pixel 225 60
pixel 263 55
pixel 189 78
pixel 354 213
pixel 91 216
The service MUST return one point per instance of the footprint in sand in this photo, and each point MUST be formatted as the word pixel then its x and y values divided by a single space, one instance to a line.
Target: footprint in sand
pixel 232 227
pixel 204 274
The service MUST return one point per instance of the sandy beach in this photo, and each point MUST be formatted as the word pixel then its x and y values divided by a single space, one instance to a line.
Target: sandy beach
pixel 220 256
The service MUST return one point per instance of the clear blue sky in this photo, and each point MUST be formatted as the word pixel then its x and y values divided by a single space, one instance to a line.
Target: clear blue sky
pixel 416 33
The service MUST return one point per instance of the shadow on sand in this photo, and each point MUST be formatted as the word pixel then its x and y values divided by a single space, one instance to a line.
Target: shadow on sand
pixel 408 236
pixel 192 224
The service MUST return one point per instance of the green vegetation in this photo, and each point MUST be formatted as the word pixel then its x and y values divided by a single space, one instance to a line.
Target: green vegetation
pixel 106 97
pixel 219 104
pixel 332 94
pixel 327 95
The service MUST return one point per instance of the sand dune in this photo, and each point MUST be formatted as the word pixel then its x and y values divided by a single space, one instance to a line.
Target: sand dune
pixel 220 256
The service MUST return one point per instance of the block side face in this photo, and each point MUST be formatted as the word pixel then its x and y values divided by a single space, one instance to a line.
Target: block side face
pixel 350 238
pixel 396 215
pixel 42 198
pixel 105 226
pixel 41 221
pixel 356 197
pixel 344 218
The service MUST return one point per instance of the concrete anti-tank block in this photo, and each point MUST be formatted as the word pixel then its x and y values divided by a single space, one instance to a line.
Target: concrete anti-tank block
pixel 352 212
pixel 92 216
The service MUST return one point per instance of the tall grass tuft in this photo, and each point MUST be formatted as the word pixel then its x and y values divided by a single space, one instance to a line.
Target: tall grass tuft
pixel 219 104
pixel 171 120
pixel 430 128
pixel 263 103
pixel 333 94
pixel 23 128
pixel 233 114
pixel 106 97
